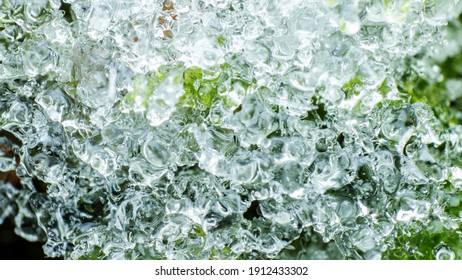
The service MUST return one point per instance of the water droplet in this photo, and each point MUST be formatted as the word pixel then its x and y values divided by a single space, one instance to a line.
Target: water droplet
pixel 445 253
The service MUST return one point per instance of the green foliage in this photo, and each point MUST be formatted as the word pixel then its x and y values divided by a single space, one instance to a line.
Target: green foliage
pixel 423 243
pixel 144 86
pixel 95 254
pixel 384 88
pixel 353 86
pixel 198 231
pixel 446 105
pixel 426 238
pixel 387 3
pixel 200 92
pixel 221 40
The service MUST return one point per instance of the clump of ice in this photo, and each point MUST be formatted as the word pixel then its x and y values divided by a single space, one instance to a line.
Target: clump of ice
pixel 221 129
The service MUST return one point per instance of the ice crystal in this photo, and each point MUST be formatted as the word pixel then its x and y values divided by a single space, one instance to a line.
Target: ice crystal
pixel 224 129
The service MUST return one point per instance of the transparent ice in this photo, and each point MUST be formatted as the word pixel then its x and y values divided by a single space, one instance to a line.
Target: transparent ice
pixel 229 129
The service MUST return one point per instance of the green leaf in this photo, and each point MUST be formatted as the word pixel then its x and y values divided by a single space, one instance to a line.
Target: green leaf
pixel 144 86
pixel 384 88
pixel 221 40
pixel 352 87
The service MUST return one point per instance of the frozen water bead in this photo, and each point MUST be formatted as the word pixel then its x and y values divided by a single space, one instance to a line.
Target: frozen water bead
pixel 231 129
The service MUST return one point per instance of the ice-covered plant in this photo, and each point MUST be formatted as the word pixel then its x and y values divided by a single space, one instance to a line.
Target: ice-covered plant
pixel 224 129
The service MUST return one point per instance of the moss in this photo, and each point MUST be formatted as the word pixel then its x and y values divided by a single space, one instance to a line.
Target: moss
pixel 447 108
pixel 221 40
pixel 424 243
pixel 199 92
pixel 95 254
pixel 384 89
pixel 353 86
pixel 435 94
pixel 424 240
pixel 144 86
pixel 387 3
pixel 197 232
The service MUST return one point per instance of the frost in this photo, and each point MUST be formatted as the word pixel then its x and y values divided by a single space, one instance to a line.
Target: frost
pixel 232 129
